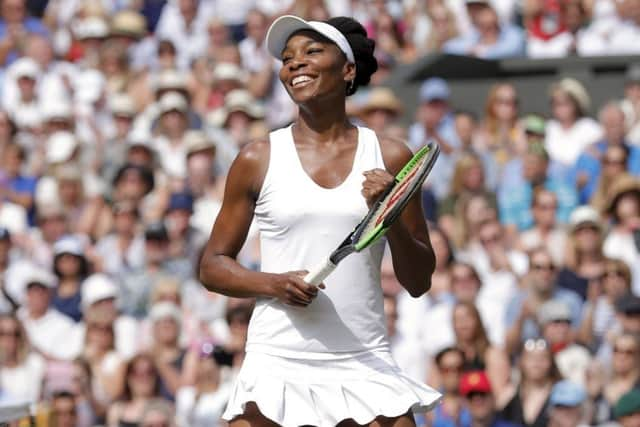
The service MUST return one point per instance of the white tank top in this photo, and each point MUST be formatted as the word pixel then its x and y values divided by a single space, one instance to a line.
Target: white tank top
pixel 300 224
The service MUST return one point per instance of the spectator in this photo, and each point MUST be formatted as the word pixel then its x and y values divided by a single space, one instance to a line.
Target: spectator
pixel 471 212
pixel 21 368
pixel 8 300
pixel 142 388
pixel 567 403
pixel 479 353
pixel 106 365
pixel 201 401
pixel 554 319
pixel 489 38
pixel 15 186
pixel 627 409
pixel 71 267
pixel 100 292
pixel 545 231
pixel 172 126
pixel 381 112
pixel 631 103
pixel 527 402
pixel 598 315
pixel 64 411
pixel 583 258
pixel 539 286
pixel 15 25
pixel 625 368
pixel 435 120
pixel 478 392
pixel 185 241
pixel 450 368
pixel 623 206
pixel 570 130
pixel 500 127
pixel 158 413
pixel 45 325
pixel 614 162
pixel 590 163
pixel 168 355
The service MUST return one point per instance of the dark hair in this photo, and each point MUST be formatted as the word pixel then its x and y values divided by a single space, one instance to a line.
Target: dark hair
pixel 83 270
pixel 447 350
pixel 362 46
pixel 127 394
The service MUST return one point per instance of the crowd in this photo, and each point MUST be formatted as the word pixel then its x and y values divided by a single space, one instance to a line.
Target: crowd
pixel 119 120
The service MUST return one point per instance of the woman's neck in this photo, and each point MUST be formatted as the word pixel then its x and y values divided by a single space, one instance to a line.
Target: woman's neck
pixel 9 360
pixel 68 286
pixel 323 121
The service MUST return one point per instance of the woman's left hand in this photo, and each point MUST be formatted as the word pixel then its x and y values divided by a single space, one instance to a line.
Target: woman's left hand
pixel 375 183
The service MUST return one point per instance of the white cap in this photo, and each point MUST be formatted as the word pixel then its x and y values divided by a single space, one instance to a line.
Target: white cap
pixel 283 27
pixel 164 309
pixel 171 101
pixel 25 67
pixel 89 86
pixel 197 140
pixel 229 71
pixel 122 105
pixel 60 147
pixel 55 109
pixel 68 245
pixel 171 79
pixel 583 215
pixel 91 27
pixel 37 274
pixel 98 287
pixel 237 100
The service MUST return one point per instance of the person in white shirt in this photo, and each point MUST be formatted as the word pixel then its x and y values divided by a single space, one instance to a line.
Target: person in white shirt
pixel 50 332
pixel 570 130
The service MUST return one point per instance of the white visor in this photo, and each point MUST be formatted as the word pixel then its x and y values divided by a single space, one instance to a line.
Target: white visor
pixel 283 27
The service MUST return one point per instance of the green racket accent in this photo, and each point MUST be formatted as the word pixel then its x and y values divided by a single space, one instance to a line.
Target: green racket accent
pixel 390 203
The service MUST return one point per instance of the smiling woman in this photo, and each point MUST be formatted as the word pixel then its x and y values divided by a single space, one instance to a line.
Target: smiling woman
pixel 318 355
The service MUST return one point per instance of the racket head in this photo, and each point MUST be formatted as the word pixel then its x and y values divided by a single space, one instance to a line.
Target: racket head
pixel 390 204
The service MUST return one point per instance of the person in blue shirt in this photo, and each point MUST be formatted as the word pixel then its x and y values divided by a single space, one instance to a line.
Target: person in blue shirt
pixel 15 25
pixel 436 120
pixel 587 170
pixel 15 187
pixel 489 39
pixel 515 199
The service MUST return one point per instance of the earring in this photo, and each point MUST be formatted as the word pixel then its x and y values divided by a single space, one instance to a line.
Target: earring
pixel 350 85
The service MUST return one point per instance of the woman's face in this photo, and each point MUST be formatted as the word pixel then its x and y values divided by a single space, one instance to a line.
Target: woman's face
pixel 450 368
pixel 142 379
pixel 625 354
pixel 614 162
pixel 473 178
pixel 536 364
pixel 627 208
pixel 464 324
pixel 614 283
pixel 69 190
pixel 563 107
pixel 68 265
pixel 314 69
pixel 165 331
pixel 9 337
pixel 505 104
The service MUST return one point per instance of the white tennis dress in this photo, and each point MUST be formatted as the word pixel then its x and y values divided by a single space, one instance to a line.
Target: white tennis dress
pixel 329 361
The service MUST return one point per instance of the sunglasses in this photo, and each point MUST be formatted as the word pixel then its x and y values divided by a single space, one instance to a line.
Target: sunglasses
pixel 542 267
pixel 535 344
pixel 625 351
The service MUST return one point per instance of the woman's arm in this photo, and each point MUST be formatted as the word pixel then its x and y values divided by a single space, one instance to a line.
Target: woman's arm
pixel 219 270
pixel 411 252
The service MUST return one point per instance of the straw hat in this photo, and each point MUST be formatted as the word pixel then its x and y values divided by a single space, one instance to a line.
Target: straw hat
pixel 129 24
pixel 196 141
pixel 622 185
pixel 576 91
pixel 382 98
pixel 236 100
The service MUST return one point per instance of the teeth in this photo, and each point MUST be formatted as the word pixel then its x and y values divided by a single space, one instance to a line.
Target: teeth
pixel 300 79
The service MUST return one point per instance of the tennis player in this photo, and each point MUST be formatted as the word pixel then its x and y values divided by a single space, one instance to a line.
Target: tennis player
pixel 318 356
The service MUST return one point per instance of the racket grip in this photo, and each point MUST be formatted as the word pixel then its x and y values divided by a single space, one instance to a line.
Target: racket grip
pixel 317 274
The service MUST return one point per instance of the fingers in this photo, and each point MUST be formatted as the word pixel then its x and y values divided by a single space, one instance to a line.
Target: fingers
pixel 375 183
pixel 298 292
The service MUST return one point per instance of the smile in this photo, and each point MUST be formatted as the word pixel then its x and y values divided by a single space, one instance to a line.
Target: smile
pixel 299 81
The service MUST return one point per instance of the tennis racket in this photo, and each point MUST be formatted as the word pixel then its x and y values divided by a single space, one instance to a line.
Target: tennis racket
pixel 383 213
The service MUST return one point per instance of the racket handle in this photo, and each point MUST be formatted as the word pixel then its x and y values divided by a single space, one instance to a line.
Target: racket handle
pixel 320 272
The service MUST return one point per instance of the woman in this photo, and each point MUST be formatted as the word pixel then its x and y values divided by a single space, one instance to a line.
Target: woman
pixel 142 387
pixel 625 368
pixel 294 323
pixel 614 165
pixel 21 370
pixel 71 267
pixel 500 128
pixel 527 403
pixel 479 354
pixel 569 131
pixel 106 365
pixel 599 311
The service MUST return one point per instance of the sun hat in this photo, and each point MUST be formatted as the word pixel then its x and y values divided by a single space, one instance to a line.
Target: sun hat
pixel 196 141
pixel 236 100
pixel 584 215
pixel 552 311
pixel 91 27
pixel 172 101
pixel 622 185
pixel 381 98
pixel 60 147
pixel 576 91
pixel 128 23
pixel 283 27
pixel 25 67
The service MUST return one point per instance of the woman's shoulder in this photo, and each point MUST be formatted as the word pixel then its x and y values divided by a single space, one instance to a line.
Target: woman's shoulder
pixel 395 151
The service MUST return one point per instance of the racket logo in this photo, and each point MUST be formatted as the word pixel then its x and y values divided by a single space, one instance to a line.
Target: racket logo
pixel 402 188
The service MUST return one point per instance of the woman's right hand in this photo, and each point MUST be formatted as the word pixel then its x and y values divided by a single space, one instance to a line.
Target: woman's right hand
pixel 290 288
